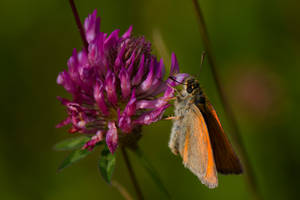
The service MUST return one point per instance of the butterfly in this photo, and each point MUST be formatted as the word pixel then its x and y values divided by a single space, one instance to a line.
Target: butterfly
pixel 197 135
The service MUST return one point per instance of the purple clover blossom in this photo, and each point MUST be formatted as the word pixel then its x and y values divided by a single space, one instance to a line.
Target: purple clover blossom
pixel 116 86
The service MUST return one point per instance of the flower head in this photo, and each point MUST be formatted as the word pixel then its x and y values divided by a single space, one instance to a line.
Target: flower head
pixel 115 85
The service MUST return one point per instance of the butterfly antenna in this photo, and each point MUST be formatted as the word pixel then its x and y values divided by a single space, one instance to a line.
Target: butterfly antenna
pixel 202 59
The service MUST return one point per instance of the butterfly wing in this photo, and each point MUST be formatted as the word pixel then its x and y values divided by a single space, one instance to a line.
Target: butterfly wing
pixel 226 160
pixel 175 133
pixel 195 148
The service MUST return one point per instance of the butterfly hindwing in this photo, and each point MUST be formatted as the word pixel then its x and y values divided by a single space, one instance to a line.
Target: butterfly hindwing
pixel 226 160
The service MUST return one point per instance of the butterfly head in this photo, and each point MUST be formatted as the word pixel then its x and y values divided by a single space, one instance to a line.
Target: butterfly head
pixel 193 88
pixel 192 85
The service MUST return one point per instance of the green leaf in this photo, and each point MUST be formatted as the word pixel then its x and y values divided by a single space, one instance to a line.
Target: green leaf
pixel 71 143
pixel 74 157
pixel 106 164
pixel 152 172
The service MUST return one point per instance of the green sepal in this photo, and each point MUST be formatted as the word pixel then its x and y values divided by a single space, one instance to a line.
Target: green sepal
pixel 73 157
pixel 71 143
pixel 106 164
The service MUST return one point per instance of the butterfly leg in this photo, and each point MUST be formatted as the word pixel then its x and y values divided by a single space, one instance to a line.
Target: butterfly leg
pixel 170 99
pixel 171 117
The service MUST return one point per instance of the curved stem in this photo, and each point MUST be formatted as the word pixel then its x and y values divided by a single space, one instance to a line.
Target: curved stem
pixel 121 189
pixel 131 174
pixel 79 25
pixel 230 115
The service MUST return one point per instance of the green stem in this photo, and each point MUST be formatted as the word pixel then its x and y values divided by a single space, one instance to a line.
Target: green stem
pixel 79 24
pixel 132 175
pixel 236 136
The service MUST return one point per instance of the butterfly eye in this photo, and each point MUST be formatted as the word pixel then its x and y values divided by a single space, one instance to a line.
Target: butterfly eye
pixel 189 89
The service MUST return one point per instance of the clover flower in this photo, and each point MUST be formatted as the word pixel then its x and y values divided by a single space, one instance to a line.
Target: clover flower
pixel 117 85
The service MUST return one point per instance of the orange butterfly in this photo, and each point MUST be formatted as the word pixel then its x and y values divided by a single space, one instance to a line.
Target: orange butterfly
pixel 197 135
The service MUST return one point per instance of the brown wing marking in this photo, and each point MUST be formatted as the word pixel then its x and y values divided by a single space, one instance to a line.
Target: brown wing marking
pixel 197 151
pixel 226 160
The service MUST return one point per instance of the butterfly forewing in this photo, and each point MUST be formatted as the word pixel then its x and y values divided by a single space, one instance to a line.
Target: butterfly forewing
pixel 196 150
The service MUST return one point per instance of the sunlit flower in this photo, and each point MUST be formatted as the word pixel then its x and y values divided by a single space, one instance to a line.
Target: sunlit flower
pixel 116 87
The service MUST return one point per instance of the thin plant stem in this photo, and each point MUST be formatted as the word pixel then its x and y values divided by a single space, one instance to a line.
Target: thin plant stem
pixel 236 136
pixel 79 24
pixel 131 174
pixel 151 171
pixel 121 189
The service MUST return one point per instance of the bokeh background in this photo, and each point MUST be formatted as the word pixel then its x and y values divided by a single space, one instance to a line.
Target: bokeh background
pixel 256 44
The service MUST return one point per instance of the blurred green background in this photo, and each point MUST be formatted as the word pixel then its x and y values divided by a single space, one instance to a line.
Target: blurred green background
pixel 256 44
